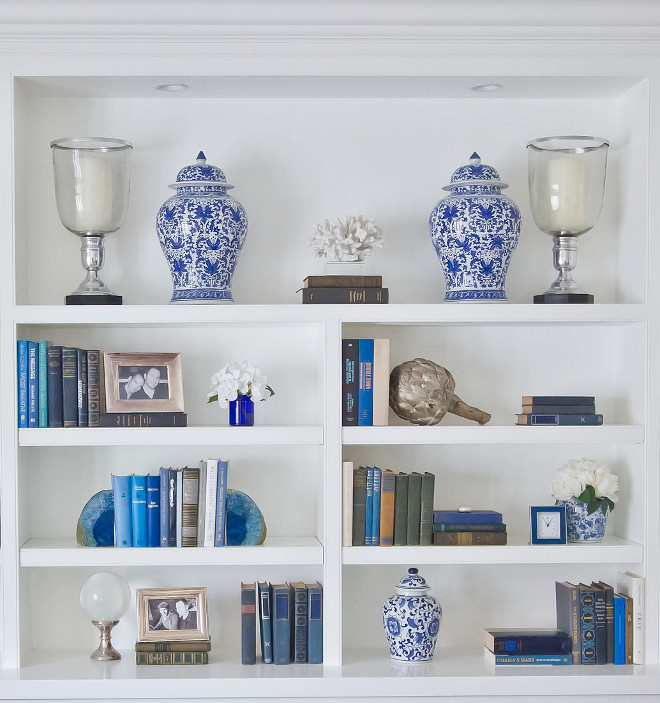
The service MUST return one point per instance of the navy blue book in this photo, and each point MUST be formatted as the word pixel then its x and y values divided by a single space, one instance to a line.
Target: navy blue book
pixel 82 396
pixel 22 361
pixel 43 382
pixel 164 482
pixel 70 386
pixel 93 387
pixel 121 488
pixel 600 624
pixel 248 623
pixel 365 381
pixel 558 399
pixel 33 384
pixel 153 510
pixel 281 596
pixel 467 517
pixel 55 409
pixel 527 641
pixel 299 622
pixel 315 623
pixel 369 509
pixel 375 511
pixel 266 628
pixel 561 419
pixel 171 507
pixel 587 625
pixel 537 409
pixel 139 510
pixel 349 391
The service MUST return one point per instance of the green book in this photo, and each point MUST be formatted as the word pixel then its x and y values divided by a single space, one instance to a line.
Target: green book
pixel 414 506
pixel 426 509
pixel 359 505
pixel 401 509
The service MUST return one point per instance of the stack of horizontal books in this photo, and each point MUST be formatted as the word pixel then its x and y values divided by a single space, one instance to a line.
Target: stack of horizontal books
pixel 172 652
pixel 527 646
pixel 464 527
pixel 344 289
pixel 559 410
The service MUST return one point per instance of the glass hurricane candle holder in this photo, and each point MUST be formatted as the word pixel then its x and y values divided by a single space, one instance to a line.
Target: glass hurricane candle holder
pixel 566 186
pixel 92 182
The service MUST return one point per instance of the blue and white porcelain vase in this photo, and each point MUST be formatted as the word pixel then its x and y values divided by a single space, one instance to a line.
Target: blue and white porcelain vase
pixel 475 230
pixel 580 526
pixel 201 231
pixel 411 619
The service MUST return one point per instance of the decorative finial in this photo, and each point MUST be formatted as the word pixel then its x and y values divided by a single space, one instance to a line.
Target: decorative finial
pixel 475 159
pixel 412 571
pixel 201 157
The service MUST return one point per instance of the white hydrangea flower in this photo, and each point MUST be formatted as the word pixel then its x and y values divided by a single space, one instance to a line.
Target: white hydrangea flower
pixel 578 474
pixel 238 378
pixel 350 240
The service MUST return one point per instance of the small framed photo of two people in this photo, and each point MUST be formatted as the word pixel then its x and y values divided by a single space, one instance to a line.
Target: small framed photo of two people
pixel 143 382
pixel 172 614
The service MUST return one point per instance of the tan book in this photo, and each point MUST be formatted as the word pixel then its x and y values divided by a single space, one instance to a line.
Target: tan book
pixel 381 382
pixel 387 508
pixel 462 539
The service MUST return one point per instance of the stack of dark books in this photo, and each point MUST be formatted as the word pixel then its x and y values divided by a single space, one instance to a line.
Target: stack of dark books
pixel 559 410
pixel 344 289
pixel 527 646
pixel 172 652
pixel 468 527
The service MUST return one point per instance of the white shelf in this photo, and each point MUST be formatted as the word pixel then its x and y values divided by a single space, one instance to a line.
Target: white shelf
pixel 517 551
pixel 486 434
pixel 275 551
pixel 168 436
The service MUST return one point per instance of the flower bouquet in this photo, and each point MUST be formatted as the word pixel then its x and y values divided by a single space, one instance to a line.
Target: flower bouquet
pixel 237 386
pixel 586 481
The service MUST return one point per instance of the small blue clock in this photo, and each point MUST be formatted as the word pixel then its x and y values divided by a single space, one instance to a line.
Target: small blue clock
pixel 548 524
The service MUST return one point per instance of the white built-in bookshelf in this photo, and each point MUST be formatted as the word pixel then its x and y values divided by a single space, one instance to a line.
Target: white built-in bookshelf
pixel 318 110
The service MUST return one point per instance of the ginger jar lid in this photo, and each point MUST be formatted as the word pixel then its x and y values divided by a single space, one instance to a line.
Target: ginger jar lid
pixel 474 173
pixel 200 174
pixel 412 584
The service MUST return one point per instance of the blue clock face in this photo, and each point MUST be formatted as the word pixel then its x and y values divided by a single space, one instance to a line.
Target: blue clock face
pixel 548 525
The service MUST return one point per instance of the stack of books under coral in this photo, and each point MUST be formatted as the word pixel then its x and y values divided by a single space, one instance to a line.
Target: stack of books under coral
pixel 559 410
pixel 344 289
pixel 464 527
pixel 527 646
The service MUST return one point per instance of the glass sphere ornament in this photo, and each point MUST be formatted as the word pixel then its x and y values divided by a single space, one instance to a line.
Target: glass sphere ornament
pixel 105 597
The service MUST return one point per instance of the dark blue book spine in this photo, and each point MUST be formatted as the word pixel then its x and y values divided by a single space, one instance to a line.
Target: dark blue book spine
pixel 164 475
pixel 22 360
pixel 299 622
pixel 248 623
pixel 349 400
pixel 281 624
pixel 82 388
pixel 171 508
pixel 369 512
pixel 93 388
pixel 55 410
pixel 70 386
pixel 561 409
pixel 153 510
pixel 266 623
pixel 365 381
pixel 619 629
pixel 43 383
pixel 221 505
pixel 587 627
pixel 33 384
pixel 121 488
pixel 375 512
pixel 315 624
pixel 475 516
pixel 561 419
pixel 600 626
pixel 139 510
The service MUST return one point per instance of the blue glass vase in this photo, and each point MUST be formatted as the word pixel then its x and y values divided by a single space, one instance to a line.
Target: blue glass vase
pixel 241 411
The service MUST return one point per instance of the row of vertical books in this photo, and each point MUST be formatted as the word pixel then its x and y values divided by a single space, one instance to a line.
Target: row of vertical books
pixel 282 623
pixel 175 508
pixel 606 623
pixel 384 508
pixel 559 410
pixel 365 381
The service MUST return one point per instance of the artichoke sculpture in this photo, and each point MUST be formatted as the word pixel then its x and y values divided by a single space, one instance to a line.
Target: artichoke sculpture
pixel 422 392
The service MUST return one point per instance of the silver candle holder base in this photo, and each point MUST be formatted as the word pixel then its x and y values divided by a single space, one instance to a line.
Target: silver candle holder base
pixel 92 291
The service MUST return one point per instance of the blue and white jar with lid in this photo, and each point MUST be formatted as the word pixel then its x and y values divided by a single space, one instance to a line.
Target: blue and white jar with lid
pixel 201 230
pixel 475 231
pixel 411 619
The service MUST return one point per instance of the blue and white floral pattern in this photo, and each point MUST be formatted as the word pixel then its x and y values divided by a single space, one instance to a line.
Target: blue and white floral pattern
pixel 580 526
pixel 475 231
pixel 201 231
pixel 411 619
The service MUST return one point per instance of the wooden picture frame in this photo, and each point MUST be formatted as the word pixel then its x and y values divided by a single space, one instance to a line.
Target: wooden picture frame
pixel 172 614
pixel 128 377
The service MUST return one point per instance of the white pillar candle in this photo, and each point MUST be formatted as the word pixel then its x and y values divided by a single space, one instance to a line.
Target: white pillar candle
pixel 566 180
pixel 94 186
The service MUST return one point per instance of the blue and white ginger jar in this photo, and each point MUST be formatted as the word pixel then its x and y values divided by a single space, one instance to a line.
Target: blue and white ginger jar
pixel 580 526
pixel 201 231
pixel 411 619
pixel 475 230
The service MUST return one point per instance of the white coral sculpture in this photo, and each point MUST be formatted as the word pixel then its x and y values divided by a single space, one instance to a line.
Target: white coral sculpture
pixel 349 240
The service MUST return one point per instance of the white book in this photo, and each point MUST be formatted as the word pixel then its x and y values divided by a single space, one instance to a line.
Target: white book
pixel 211 491
pixel 201 505
pixel 630 584
pixel 347 493
pixel 381 382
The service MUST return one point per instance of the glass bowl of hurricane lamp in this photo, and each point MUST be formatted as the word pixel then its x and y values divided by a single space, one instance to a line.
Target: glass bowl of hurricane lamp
pixel 411 619
pixel 475 230
pixel 245 523
pixel 96 524
pixel 92 184
pixel 566 188
pixel 201 230
pixel 105 597
pixel 422 392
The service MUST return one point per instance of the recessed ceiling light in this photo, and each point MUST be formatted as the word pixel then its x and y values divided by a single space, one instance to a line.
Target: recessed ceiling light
pixel 486 87
pixel 172 87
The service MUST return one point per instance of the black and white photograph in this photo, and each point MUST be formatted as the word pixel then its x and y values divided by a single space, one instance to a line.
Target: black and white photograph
pixel 172 614
pixel 143 382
